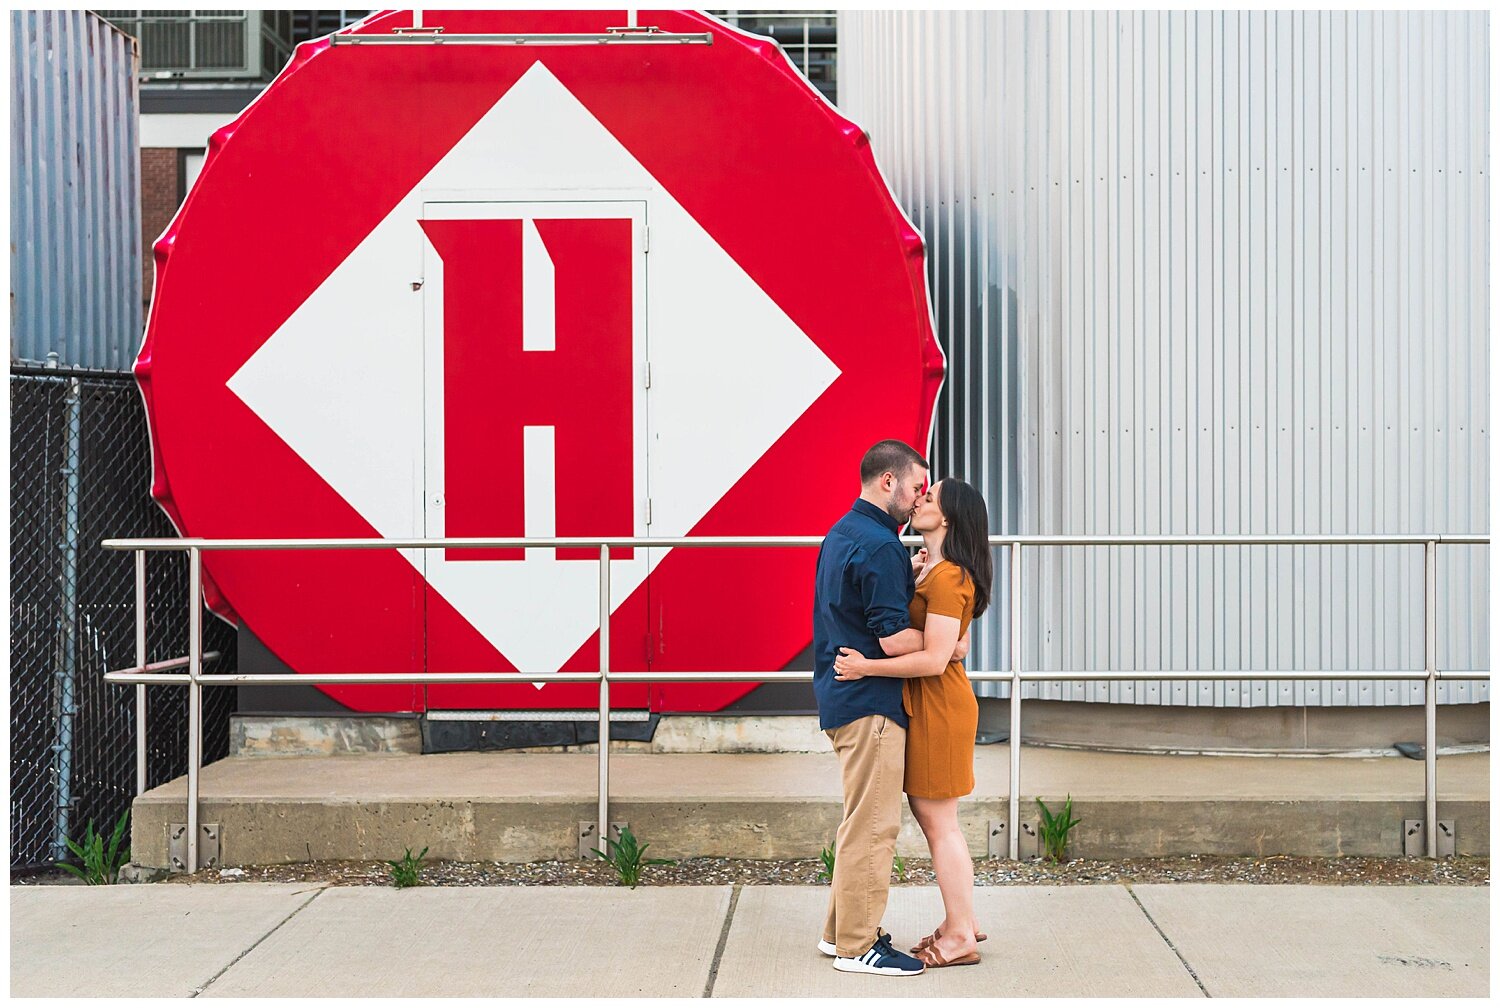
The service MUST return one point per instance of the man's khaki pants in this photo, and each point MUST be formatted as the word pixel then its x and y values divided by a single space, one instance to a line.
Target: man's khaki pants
pixel 872 756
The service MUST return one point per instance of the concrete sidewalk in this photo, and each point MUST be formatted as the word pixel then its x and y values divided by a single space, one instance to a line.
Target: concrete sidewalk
pixel 251 939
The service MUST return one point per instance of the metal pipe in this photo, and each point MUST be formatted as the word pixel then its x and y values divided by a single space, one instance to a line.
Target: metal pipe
pixel 66 675
pixel 1429 649
pixel 1168 675
pixel 643 542
pixel 195 700
pixel 604 612
pixel 152 674
pixel 140 662
pixel 1015 701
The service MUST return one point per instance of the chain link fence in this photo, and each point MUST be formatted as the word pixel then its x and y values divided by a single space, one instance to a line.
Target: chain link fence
pixel 80 472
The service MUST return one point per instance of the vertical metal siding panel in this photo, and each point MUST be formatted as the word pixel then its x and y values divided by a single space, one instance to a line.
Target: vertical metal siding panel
pixel 1358 308
pixel 1232 653
pixel 1389 332
pixel 1131 262
pixel 1334 318
pixel 1174 400
pixel 1082 327
pixel 75 269
pixel 1153 239
pixel 1207 284
pixel 21 220
pixel 1476 195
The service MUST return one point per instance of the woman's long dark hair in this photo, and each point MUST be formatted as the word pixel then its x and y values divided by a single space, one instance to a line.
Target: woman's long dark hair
pixel 968 541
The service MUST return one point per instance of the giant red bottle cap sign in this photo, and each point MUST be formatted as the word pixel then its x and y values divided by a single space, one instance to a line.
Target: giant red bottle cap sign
pixel 501 290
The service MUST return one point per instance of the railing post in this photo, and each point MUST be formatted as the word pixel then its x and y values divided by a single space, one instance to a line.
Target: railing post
pixel 140 662
pixel 1429 649
pixel 195 700
pixel 603 697
pixel 1015 701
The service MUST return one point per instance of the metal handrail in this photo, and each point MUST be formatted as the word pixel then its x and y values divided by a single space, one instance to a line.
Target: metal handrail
pixel 142 674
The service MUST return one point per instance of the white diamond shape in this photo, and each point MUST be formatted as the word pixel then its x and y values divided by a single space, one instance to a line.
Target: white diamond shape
pixel 341 381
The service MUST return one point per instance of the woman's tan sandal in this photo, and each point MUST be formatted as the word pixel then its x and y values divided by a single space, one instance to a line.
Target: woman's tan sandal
pixel 936 934
pixel 933 959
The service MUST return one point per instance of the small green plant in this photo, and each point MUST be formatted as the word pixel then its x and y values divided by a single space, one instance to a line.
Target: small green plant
pixel 407 871
pixel 1055 829
pixel 627 857
pixel 826 875
pixel 101 862
pixel 899 865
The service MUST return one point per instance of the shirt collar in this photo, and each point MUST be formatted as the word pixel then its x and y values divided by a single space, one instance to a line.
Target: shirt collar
pixel 865 507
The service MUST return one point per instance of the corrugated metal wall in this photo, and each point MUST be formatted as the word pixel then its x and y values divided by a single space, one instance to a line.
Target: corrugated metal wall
pixel 75 265
pixel 1206 273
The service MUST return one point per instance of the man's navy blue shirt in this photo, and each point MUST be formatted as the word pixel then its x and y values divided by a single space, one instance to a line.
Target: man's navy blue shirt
pixel 863 593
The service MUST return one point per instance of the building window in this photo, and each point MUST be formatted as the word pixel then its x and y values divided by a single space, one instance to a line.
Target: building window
pixel 311 24
pixel 810 38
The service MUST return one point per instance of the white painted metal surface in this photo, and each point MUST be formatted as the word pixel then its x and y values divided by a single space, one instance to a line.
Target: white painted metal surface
pixel 1206 273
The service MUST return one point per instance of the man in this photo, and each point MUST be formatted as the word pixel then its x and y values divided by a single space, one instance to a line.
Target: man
pixel 861 600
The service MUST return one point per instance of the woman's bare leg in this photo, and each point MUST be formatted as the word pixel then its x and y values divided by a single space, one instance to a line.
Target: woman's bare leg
pixel 938 818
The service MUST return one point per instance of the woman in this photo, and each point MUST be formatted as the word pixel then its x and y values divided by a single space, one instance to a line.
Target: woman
pixel 953 587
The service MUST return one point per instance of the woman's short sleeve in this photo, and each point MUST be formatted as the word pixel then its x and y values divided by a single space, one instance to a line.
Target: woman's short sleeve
pixel 951 592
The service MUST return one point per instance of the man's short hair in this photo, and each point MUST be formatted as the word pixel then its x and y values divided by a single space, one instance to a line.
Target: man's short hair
pixel 888 456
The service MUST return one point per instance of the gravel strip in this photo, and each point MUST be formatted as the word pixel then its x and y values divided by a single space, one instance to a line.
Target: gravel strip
pixel 1277 870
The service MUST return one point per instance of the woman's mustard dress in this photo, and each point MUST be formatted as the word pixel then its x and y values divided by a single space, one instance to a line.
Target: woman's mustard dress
pixel 944 713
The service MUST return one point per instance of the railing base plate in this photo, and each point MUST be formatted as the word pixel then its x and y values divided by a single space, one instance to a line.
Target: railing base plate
pixel 208 846
pixel 1414 837
pixel 588 837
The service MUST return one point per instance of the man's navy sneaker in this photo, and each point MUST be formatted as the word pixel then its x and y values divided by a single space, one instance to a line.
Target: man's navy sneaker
pixel 881 960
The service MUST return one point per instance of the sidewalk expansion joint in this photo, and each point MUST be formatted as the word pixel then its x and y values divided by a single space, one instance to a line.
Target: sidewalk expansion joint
pixel 1180 958
pixel 300 907
pixel 713 971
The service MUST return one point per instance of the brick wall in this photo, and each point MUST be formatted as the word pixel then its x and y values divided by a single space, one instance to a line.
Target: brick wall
pixel 160 197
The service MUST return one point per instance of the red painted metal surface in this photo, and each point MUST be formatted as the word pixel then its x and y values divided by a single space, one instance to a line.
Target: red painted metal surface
pixel 783 184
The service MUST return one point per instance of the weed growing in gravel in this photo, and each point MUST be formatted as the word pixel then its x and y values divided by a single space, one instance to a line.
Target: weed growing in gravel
pixel 898 865
pixel 408 870
pixel 101 863
pixel 1055 829
pixel 627 857
pixel 826 875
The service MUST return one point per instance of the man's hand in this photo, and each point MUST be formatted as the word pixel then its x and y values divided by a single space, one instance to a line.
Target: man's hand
pixel 850 665
pixel 962 650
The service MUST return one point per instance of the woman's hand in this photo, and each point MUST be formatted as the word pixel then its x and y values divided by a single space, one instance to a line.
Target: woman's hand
pixel 850 665
pixel 919 561
pixel 962 650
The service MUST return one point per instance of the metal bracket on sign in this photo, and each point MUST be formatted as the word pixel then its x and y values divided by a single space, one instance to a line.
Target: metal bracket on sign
pixel 588 836
pixel 177 846
pixel 1414 837
pixel 437 37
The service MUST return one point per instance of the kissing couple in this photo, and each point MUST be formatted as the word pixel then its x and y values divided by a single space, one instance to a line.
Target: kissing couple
pixel 890 632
